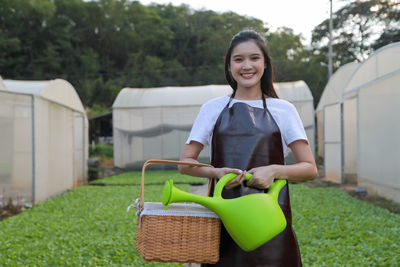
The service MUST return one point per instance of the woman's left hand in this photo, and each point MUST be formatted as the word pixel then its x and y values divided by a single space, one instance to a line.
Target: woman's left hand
pixel 262 177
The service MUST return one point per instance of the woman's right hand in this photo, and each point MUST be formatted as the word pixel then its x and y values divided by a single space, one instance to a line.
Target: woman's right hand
pixel 220 172
pixel 191 152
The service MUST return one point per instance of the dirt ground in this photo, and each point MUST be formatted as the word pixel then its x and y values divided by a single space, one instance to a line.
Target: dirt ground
pixel 10 210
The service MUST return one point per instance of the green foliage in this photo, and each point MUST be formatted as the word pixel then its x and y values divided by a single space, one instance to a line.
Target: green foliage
pixel 292 61
pixel 151 178
pixel 101 150
pixel 96 110
pixel 334 229
pixel 89 226
pixel 103 46
pixel 359 28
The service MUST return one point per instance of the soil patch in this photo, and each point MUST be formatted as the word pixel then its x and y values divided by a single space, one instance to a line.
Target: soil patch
pixel 359 193
pixel 10 210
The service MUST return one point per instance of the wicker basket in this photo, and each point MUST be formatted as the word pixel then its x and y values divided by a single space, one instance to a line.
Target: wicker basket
pixel 183 233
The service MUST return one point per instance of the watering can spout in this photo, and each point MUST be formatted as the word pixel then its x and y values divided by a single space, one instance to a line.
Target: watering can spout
pixel 251 220
pixel 171 194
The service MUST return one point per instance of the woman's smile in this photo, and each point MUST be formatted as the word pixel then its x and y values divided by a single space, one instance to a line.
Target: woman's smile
pixel 247 75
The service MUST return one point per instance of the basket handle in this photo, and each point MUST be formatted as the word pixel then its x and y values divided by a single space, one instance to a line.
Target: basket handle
pixel 163 161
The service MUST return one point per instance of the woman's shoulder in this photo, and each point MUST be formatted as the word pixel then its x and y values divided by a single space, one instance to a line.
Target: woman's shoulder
pixel 280 104
pixel 216 103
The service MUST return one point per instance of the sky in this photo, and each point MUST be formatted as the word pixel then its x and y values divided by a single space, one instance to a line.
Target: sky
pixel 300 15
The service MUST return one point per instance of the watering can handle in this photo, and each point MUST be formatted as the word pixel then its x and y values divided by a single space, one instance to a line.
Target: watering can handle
pixel 163 161
pixel 274 189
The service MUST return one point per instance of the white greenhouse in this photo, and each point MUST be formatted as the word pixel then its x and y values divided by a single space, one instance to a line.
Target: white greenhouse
pixel 155 122
pixel 371 128
pixel 44 140
pixel 329 122
pixel 298 93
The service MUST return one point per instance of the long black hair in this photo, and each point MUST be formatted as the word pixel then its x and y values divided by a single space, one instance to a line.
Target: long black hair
pixel 267 79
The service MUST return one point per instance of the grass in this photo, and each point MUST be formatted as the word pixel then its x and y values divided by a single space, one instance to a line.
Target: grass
pixel 151 178
pixel 374 199
pixel 101 150
pixel 335 229
pixel 89 226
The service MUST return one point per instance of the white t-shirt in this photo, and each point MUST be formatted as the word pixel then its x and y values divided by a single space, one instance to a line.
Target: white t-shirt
pixel 283 112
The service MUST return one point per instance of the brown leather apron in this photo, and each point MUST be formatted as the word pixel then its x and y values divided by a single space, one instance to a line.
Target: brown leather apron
pixel 245 137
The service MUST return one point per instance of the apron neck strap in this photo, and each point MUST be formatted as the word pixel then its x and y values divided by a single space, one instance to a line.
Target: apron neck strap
pixel 262 97
pixel 264 101
pixel 230 99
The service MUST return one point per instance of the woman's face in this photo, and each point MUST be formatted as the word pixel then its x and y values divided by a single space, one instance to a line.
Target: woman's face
pixel 247 65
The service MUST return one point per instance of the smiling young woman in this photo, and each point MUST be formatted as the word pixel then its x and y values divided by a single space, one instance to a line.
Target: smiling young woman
pixel 250 132
pixel 247 67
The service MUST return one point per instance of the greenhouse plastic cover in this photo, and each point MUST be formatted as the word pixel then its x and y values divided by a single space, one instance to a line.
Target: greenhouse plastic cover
pixel 371 127
pixel 381 63
pixel 155 122
pixel 334 89
pixel 43 149
pixel 175 96
pixel 332 95
pixel 58 91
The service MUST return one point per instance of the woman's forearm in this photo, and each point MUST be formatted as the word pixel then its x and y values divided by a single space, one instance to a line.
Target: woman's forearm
pixel 191 152
pixel 206 172
pixel 297 172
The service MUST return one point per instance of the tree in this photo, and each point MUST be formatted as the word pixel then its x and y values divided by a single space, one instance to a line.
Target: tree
pixel 25 25
pixel 288 54
pixel 102 46
pixel 292 61
pixel 390 14
pixel 359 27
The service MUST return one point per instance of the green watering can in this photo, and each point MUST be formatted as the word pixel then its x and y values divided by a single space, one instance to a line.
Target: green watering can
pixel 251 220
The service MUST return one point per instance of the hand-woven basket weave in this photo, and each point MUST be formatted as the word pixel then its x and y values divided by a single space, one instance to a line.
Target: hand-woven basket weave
pixel 183 233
